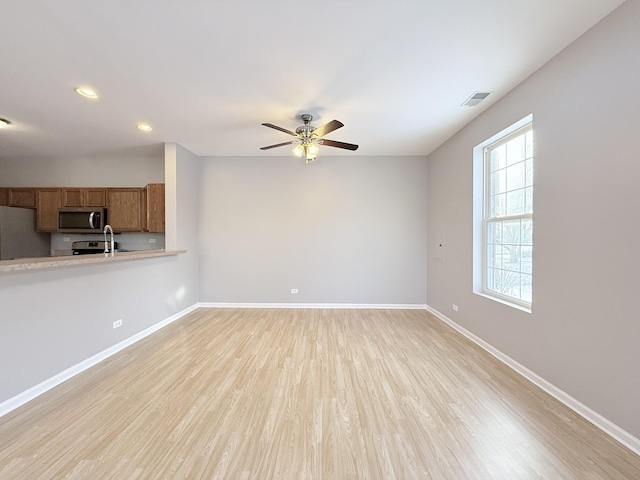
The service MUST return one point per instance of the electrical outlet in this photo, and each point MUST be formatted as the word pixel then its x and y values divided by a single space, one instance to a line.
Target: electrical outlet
pixel 117 323
pixel 455 307
pixel 294 290
pixel 66 239
pixel 152 240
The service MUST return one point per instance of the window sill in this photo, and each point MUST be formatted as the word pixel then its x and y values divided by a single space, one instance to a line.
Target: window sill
pixel 505 302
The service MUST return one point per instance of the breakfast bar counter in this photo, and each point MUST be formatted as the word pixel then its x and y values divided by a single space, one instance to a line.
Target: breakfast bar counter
pixel 24 264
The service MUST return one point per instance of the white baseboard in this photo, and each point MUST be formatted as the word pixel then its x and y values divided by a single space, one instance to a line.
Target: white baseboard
pixel 33 392
pixel 610 428
pixel 378 306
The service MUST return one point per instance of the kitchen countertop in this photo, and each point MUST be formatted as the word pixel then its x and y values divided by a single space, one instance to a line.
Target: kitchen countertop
pixel 23 264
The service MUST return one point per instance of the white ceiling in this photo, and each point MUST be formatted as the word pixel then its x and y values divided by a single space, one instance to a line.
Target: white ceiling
pixel 207 73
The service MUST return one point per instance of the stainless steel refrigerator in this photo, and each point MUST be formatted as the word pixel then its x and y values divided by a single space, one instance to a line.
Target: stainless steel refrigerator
pixel 18 235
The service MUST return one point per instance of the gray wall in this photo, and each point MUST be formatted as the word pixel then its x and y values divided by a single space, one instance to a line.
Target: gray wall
pixel 183 174
pixel 346 229
pixel 583 334
pixel 51 320
pixel 128 168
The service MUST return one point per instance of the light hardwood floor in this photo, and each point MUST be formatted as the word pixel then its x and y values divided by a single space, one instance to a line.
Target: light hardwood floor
pixel 304 394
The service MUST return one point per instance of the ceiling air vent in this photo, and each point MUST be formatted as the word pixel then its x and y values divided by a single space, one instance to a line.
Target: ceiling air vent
pixel 475 99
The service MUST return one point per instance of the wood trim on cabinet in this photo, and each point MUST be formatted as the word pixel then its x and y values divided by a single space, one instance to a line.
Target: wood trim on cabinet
pixel 22 197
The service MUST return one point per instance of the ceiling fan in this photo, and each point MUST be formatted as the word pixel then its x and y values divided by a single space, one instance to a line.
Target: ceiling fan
pixel 309 137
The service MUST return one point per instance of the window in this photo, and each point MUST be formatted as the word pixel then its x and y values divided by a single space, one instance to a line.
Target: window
pixel 506 227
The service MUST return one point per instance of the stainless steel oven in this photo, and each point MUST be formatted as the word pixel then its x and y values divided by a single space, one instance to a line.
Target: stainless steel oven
pixel 90 247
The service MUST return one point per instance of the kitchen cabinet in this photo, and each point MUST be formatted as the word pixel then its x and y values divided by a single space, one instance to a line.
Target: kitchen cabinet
pixel 94 197
pixel 153 208
pixel 84 197
pixel 124 209
pixel 4 197
pixel 48 202
pixel 22 197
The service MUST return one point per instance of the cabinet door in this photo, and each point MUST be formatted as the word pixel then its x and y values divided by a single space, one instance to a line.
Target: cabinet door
pixel 84 197
pixel 49 201
pixel 22 197
pixel 4 197
pixel 72 197
pixel 154 207
pixel 124 209
pixel 94 197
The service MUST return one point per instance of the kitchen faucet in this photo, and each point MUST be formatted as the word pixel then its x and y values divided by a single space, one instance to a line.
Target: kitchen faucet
pixel 106 248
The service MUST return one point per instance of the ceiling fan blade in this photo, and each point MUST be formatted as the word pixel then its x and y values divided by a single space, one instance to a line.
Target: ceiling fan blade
pixel 278 145
pixel 271 125
pixel 334 143
pixel 328 128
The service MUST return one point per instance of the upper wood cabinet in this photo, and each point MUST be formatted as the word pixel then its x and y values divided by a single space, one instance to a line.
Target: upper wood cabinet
pixel 153 208
pixel 129 209
pixel 84 197
pixel 22 197
pixel 49 201
pixel 94 197
pixel 124 206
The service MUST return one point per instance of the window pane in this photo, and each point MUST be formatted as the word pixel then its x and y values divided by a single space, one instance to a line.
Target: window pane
pixel 529 172
pixel 498 182
pixel 494 232
pixel 526 231
pixel 528 200
pixel 515 150
pixel 510 284
pixel 515 176
pixel 515 202
pixel 529 144
pixel 491 283
pixel 497 207
pixel 511 232
pixel 526 288
pixel 490 255
pixel 498 158
pixel 511 258
pixel 526 260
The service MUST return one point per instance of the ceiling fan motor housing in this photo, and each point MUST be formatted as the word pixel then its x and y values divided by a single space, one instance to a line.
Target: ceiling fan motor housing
pixel 305 131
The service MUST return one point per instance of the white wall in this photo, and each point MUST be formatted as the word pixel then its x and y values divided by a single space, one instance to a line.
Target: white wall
pixel 346 229
pixel 583 334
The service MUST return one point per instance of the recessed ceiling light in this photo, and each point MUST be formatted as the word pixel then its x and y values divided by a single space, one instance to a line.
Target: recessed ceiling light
pixel 145 127
pixel 86 92
pixel 4 123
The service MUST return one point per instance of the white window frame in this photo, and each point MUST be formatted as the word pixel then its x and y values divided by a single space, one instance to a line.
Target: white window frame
pixel 481 206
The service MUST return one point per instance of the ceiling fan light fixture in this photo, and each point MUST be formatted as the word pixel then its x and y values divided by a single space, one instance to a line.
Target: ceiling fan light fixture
pixel 313 150
pixel 4 123
pixel 298 151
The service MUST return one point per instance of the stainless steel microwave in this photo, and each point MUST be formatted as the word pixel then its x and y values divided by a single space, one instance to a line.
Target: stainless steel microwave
pixel 82 220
